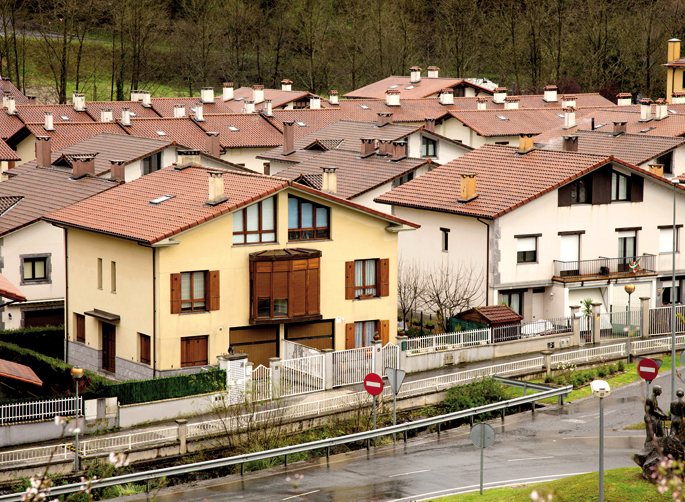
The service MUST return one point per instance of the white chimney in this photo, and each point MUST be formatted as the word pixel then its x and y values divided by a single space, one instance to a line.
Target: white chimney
pixel 567 101
pixel 499 95
pixel 624 99
pixel 286 85
pixel 415 74
pixel 333 97
pixel 550 94
pixel 482 103
pixel 216 193
pixel 267 108
pixel 433 71
pixel 392 97
pixel 257 94
pixel 179 111
pixel 198 112
pixel 227 92
pixel 569 117
pixel 48 126
pixel 661 109
pixel 80 102
pixel 511 103
pixel 125 117
pixel 329 180
pixel 145 98
pixel 136 96
pixel 106 115
pixel 645 110
pixel 11 107
pixel 249 106
pixel 5 100
pixel 314 103
pixel 446 97
pixel 207 95
pixel 678 98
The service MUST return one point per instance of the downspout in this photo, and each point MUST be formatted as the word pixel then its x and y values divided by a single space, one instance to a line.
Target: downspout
pixel 487 263
pixel 154 316
pixel 66 300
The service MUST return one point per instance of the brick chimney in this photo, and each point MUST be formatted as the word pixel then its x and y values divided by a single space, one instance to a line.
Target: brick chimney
pixel 207 95
pixel 569 117
pixel 446 97
pixel 314 102
pixel 286 85
pixel 288 137
pixel 499 95
pixel 199 117
pixel 385 147
pixel 48 125
pixel 126 117
pixel 268 110
pixel 568 100
pixel 624 99
pixel 227 93
pixel 117 170
pixel 329 180
pixel 83 165
pixel 645 110
pixel 526 143
pixel 216 193
pixel 179 111
pixel 11 106
pixel 678 98
pixel 106 115
pixel 433 71
pixel 333 97
pixel 392 97
pixel 248 106
pixel 415 74
pixel 43 151
pixel 511 103
pixel 429 124
pixel 32 100
pixel 384 118
pixel 188 158
pixel 213 144
pixel 368 147
pixel 657 169
pixel 467 190
pixel 145 98
pixel 661 109
pixel 570 144
pixel 482 103
pixel 550 95
pixel 619 128
pixel 6 84
pixel 257 94
pixel 399 149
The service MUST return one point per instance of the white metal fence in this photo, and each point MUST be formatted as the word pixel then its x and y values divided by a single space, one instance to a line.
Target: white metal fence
pixel 616 324
pixel 531 329
pixel 585 355
pixel 39 410
pixel 352 365
pixel 449 341
pixel 660 320
pixel 302 375
pixel 391 356
pixel 42 454
pixel 656 344
pixel 128 441
pixel 294 350
pixel 261 383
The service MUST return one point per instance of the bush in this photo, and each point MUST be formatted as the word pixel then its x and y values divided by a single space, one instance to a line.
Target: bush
pixel 602 372
pixel 48 340
pixel 612 369
pixel 416 322
pixel 550 379
pixel 429 324
pixel 621 366
pixel 475 394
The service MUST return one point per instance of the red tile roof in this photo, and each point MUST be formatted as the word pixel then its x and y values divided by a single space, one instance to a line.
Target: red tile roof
pixel 422 89
pixel 410 110
pixel 68 133
pixel 312 119
pixel 9 290
pixel 94 109
pixel 9 125
pixel 277 96
pixel 19 97
pixel 35 114
pixel 184 131
pixel 584 100
pixel 6 153
pixel 496 314
pixel 253 130
pixel 165 106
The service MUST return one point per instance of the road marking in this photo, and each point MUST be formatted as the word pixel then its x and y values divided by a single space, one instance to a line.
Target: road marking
pixel 521 459
pixel 574 421
pixel 301 495
pixel 407 473
pixel 595 437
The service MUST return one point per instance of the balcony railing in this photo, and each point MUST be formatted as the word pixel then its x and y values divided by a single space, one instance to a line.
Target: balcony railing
pixel 605 267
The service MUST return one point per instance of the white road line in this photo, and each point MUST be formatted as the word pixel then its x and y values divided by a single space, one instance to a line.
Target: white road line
pixel 407 473
pixel 301 495
pixel 521 459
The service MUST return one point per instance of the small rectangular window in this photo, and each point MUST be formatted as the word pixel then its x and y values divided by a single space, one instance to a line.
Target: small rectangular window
pixel 428 147
pixel 80 328
pixel 114 277
pixel 526 249
pixel 514 300
pixel 256 223
pixel 35 269
pixel 99 273
pixel 365 278
pixel 445 239
pixel 580 192
pixel 620 187
pixel 144 348
pixel 363 333
pixel 193 291
pixel 666 240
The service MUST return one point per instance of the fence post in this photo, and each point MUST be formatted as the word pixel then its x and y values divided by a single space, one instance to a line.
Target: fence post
pixel 644 323
pixel 547 355
pixel 275 365
pixel 377 345
pixel 182 431
pixel 248 378
pixel 596 322
pixel 327 369
pixel 575 322
pixel 401 352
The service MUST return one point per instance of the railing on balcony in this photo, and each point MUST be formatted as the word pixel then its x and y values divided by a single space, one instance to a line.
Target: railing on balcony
pixel 605 267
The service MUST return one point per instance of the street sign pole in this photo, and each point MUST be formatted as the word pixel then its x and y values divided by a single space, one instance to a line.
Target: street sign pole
pixel 395 378
pixel 374 419
pixel 373 384
pixel 601 448
pixel 482 436
pixel 394 416
pixel 482 447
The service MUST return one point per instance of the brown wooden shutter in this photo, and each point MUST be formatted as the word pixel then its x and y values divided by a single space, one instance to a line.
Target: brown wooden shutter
pixel 299 292
pixel 564 195
pixel 144 349
pixel 313 291
pixel 175 293
pixel 384 266
pixel 349 335
pixel 385 332
pixel 80 328
pixel 636 188
pixel 349 280
pixel 601 185
pixel 213 291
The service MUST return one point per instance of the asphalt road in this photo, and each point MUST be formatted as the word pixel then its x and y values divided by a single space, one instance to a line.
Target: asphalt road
pixel 548 444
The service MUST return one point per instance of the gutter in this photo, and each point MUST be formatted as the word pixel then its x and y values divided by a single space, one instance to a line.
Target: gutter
pixel 487 262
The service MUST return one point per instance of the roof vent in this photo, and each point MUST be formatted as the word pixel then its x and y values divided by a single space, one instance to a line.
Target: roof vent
pixel 161 199
pixel 482 103
pixel 179 111
pixel 106 115
pixel 288 138
pixel 384 119
pixel 48 126
pixel 83 165
pixel 619 128
pixel 314 102
pixel 569 117
pixel 145 98
pixel 567 101
pixel 678 98
pixel 11 107
pixel 415 74
pixel 570 144
pixel 433 71
pixel 44 151
pixel 368 147
pixel 125 117
pixel 188 158
pixel 268 110
pixel 286 85
pixel 213 144
pixel 499 95
pixel 429 124
pixel 661 109
pixel 645 110
pixel 392 97
pixel 624 99
pixel 117 170
pixel 468 187
pixel 257 94
pixel 511 103
pixel 248 107
pixel 329 180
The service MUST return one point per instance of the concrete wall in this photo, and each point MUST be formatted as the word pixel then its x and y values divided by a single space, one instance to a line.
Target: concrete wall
pixel 247 156
pixel 168 409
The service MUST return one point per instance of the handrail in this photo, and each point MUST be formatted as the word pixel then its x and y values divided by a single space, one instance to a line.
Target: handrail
pixel 289 450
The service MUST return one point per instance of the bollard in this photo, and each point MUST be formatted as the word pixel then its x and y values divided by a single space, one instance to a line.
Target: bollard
pixel 286 460
pixel 242 469
pixel 439 430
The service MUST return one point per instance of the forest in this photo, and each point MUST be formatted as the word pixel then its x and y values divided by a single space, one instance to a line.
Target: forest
pixel 105 48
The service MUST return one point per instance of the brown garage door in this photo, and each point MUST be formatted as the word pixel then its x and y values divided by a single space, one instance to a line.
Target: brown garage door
pixel 259 343
pixel 51 317
pixel 317 335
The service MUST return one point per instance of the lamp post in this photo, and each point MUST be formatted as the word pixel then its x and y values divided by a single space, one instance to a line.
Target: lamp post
pixel 601 389
pixel 630 289
pixel 674 182
pixel 76 374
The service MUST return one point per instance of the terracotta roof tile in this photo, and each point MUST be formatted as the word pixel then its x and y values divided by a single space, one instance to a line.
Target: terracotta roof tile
pixel 313 120
pixel 184 131
pixel 410 110
pixel 68 133
pixel 165 106
pixel 19 97
pixel 422 89
pixel 252 130
pixel 94 109
pixel 6 153
pixel 9 125
pixel 9 290
pixel 35 114
pixel 497 314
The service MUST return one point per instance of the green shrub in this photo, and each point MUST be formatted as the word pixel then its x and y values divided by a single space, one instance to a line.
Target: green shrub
pixel 48 340
pixel 415 321
pixel 550 379
pixel 621 366
pixel 399 317
pixel 612 369
pixel 429 324
pixel 475 394
pixel 602 372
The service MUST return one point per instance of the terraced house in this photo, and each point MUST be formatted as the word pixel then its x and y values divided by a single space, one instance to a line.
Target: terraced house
pixel 172 269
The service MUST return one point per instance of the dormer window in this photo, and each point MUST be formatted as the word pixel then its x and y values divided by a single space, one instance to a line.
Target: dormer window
pixel 307 220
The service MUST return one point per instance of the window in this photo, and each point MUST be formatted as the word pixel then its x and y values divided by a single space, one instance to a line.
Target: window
pixel 626 243
pixel 114 277
pixel 144 348
pixel 152 163
pixel 195 291
pixel 363 333
pixel 445 239
pixel 99 273
pixel 513 299
pixel 428 147
pixel 80 328
pixel 35 269
pixel 193 297
pixel 620 187
pixel 307 220
pixel 580 192
pixel 666 240
pixel 256 223
pixel 526 249
pixel 194 351
pixel 360 334
pixel 668 292
pixel 367 278
pixel 501 142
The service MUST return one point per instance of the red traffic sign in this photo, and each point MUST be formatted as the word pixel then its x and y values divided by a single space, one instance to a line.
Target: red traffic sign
pixel 373 384
pixel 648 369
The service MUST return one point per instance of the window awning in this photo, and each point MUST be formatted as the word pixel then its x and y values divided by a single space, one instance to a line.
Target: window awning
pixel 103 316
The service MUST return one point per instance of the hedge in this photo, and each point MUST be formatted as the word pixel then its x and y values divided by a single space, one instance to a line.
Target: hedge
pixel 48 340
pixel 143 391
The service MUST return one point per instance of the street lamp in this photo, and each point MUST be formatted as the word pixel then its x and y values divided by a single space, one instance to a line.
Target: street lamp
pixel 674 182
pixel 76 374
pixel 630 289
pixel 601 389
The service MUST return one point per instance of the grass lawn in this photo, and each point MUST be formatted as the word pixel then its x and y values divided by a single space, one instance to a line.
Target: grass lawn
pixel 620 485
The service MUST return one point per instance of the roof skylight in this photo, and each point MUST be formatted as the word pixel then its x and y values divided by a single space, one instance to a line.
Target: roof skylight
pixel 300 123
pixel 132 114
pixel 233 129
pixel 672 111
pixel 410 87
pixel 599 125
pixel 648 129
pixel 561 115
pixel 501 117
pixel 394 86
pixel 239 99
pixel 192 109
pixel 160 133
pixel 161 199
pixel 364 107
pixel 64 117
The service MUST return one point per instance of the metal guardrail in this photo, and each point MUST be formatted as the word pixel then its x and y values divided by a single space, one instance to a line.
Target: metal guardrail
pixel 289 450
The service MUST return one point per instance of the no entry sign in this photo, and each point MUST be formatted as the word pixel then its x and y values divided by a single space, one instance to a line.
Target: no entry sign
pixel 373 384
pixel 648 369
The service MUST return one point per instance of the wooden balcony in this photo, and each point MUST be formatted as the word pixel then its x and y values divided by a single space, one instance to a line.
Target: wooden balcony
pixel 604 268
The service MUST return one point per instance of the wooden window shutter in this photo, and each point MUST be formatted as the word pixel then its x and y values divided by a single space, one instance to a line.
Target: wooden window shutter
pixel 214 290
pixel 349 335
pixel 349 280
pixel 313 291
pixel 384 266
pixel 175 293
pixel 385 332
pixel 564 195
pixel 636 188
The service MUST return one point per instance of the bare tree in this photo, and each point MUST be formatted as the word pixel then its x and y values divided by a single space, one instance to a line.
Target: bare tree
pixel 411 288
pixel 451 289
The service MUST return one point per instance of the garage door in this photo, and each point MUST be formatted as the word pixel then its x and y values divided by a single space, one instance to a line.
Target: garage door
pixel 317 335
pixel 47 317
pixel 259 343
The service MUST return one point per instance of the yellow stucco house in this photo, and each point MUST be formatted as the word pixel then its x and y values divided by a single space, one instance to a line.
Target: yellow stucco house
pixel 167 272
pixel 675 72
